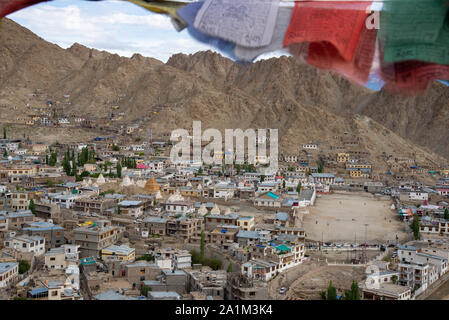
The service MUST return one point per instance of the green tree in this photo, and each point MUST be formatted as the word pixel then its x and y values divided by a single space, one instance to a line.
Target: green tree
pixel 214 263
pixel 394 278
pixel 415 226
pixel 119 211
pixel 348 295
pixel 74 169
pixel 146 257
pixel 84 174
pixel 283 184
pixel 83 157
pixel 24 266
pixel 115 147
pixel 91 156
pixel 331 292
pixel 262 178
pixel 66 165
pixel 323 295
pixel 229 268
pixel 32 206
pixel 4 133
pixel 320 166
pixel 144 290
pixel 446 214
pixel 119 170
pixel 298 188
pixel 53 158
pixel 354 293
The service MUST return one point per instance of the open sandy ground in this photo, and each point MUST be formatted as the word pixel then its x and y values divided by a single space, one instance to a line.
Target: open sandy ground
pixel 342 217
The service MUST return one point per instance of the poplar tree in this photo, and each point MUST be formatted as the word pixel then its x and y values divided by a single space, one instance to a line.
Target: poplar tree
pixel 415 226
pixel 331 292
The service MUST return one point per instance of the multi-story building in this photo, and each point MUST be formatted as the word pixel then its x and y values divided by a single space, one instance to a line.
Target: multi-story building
pixel 131 208
pixel 137 272
pixel 418 270
pixel 16 220
pixel 211 283
pixel 9 272
pixel 325 178
pixel 93 205
pixel 274 258
pixel 213 221
pixel 18 200
pixel 414 196
pixel 170 258
pixel 224 235
pixel 268 199
pixel 342 157
pixel 156 225
pixel 53 234
pixel 185 228
pixel 386 291
pixel 92 239
pixel 181 207
pixel 62 257
pixel 24 243
pixel 123 253
pixel 246 223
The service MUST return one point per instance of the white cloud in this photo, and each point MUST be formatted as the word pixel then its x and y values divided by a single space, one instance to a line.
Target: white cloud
pixel 107 28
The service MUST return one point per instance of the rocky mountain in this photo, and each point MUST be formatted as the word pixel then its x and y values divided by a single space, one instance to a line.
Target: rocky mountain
pixel 304 103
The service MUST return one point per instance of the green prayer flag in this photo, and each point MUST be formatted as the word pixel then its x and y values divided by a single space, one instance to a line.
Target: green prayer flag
pixel 415 30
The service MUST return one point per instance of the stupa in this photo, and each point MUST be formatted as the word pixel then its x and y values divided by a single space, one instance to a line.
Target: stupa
pixel 215 210
pixel 141 183
pixel 101 180
pixel 175 197
pixel 126 182
pixel 151 186
pixel 202 211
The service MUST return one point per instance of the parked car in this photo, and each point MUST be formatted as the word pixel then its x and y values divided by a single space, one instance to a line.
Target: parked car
pixel 283 290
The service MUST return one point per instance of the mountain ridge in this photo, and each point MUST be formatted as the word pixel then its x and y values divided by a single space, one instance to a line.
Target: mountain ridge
pixel 304 103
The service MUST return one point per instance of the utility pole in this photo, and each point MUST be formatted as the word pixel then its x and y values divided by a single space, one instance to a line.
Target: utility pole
pixel 364 258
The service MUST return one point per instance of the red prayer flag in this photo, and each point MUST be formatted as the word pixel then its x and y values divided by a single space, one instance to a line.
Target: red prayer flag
pixel 324 55
pixel 412 76
pixel 10 6
pixel 339 23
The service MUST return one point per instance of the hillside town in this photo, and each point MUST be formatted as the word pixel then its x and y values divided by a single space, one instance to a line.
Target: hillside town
pixel 112 218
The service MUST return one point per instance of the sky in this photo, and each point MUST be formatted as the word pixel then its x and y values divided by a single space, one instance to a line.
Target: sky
pixel 114 26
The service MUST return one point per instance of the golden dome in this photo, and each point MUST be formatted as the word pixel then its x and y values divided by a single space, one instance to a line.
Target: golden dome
pixel 152 186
